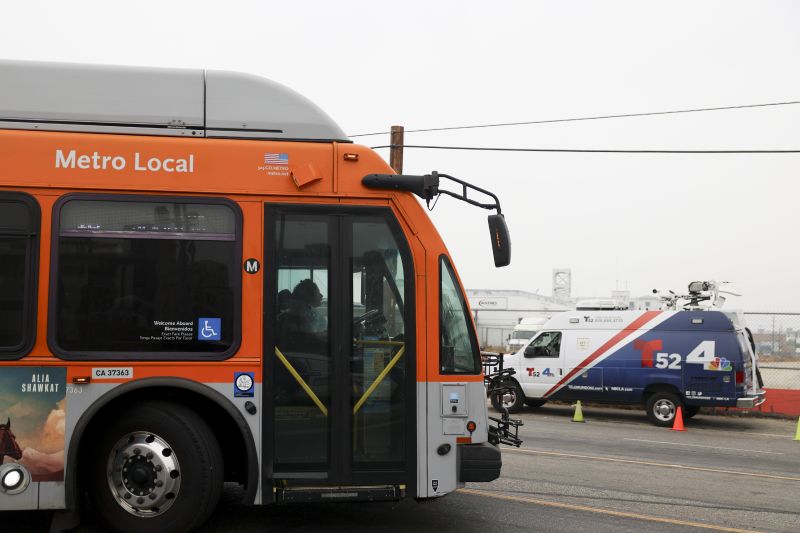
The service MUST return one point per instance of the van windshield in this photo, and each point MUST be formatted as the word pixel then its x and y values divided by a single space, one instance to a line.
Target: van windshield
pixel 523 334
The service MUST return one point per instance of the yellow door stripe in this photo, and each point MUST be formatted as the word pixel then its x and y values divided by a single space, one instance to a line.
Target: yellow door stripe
pixel 647 463
pixel 302 382
pixel 378 380
pixel 597 510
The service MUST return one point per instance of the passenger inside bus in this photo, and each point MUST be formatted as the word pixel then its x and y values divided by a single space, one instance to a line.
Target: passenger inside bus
pixel 301 327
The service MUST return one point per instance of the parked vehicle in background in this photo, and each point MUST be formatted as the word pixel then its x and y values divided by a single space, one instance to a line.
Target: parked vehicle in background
pixel 523 332
pixel 699 357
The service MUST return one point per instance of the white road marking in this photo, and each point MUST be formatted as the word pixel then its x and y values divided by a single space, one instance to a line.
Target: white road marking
pixel 647 463
pixel 771 435
pixel 702 446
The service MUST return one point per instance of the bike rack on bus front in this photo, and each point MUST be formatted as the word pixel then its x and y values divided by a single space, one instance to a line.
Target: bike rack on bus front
pixel 506 430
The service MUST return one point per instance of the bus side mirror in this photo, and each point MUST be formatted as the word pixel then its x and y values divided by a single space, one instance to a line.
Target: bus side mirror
pixel 501 241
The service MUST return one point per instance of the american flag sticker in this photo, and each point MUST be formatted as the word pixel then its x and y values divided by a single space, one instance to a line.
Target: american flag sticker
pixel 276 159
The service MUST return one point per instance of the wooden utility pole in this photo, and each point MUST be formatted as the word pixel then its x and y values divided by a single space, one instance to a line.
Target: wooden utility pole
pixel 396 151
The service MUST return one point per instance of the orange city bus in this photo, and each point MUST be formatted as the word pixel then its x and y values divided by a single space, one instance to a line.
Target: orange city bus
pixel 202 280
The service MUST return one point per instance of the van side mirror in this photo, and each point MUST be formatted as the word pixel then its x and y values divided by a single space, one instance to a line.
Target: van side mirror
pixel 531 351
pixel 501 240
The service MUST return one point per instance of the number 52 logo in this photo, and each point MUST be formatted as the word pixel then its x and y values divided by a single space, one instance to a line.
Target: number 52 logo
pixel 652 357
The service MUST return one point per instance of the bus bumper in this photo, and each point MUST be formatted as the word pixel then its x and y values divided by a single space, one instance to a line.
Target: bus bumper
pixel 748 402
pixel 479 462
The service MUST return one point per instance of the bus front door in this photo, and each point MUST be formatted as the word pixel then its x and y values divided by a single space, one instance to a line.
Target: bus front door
pixel 339 378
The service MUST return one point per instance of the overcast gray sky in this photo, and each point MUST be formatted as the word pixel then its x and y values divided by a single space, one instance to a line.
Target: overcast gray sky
pixel 640 221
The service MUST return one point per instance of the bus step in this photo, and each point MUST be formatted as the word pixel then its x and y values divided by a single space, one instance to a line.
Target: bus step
pixel 380 493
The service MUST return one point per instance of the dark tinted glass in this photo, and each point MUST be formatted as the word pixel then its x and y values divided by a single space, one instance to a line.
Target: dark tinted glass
pixel 303 357
pixel 379 358
pixel 13 284
pixel 548 344
pixel 16 217
pixel 146 277
pixel 19 228
pixel 458 348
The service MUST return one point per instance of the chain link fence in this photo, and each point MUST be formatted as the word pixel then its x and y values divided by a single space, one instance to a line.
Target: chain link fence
pixel 777 339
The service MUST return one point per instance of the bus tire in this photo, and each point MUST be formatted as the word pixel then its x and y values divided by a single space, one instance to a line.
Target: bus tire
pixel 690 410
pixel 156 467
pixel 661 407
pixel 535 402
pixel 513 400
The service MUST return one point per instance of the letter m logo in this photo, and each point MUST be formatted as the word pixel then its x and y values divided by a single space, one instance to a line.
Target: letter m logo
pixel 251 266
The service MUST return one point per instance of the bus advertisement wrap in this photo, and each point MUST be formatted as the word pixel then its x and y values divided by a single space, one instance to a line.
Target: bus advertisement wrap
pixel 33 411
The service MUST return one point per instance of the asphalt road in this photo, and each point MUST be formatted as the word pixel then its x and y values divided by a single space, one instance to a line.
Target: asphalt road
pixel 614 473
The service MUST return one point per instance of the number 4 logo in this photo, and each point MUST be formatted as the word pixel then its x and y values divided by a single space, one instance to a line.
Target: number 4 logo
pixel 704 353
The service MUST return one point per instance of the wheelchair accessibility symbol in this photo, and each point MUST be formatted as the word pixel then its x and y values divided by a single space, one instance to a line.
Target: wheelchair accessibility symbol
pixel 209 329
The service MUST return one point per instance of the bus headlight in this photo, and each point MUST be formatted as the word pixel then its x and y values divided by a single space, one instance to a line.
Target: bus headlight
pixel 14 478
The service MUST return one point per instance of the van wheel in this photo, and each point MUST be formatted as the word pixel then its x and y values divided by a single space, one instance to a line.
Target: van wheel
pixel 690 410
pixel 535 403
pixel 156 467
pixel 513 400
pixel 661 408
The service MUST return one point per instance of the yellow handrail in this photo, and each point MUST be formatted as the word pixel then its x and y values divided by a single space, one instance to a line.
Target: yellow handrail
pixel 302 383
pixel 380 378
pixel 381 343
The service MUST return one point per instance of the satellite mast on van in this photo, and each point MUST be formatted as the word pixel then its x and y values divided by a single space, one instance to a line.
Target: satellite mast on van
pixel 699 293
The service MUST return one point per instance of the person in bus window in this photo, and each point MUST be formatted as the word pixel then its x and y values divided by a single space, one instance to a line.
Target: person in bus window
pixel 306 298
pixel 300 317
pixel 284 300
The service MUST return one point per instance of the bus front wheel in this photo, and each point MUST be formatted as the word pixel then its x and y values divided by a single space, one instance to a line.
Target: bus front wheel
pixel 157 466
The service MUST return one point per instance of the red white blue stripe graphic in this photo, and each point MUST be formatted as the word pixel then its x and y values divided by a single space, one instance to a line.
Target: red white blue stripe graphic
pixel 605 349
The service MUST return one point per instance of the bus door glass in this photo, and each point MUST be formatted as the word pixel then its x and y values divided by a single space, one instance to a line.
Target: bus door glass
pixel 542 363
pixel 380 353
pixel 338 334
pixel 302 348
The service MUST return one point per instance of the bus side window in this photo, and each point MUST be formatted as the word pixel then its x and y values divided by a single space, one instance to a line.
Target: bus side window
pixel 458 347
pixel 19 252
pixel 146 276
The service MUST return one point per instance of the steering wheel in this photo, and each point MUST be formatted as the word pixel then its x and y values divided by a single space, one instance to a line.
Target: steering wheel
pixel 366 317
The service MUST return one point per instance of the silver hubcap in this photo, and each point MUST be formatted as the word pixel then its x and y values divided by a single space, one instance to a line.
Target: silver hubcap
pixel 143 474
pixel 664 410
pixel 509 399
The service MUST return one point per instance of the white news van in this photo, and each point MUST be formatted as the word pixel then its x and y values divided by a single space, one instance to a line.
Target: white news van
pixel 659 359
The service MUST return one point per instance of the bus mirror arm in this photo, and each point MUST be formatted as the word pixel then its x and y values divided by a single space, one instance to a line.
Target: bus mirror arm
pixel 427 188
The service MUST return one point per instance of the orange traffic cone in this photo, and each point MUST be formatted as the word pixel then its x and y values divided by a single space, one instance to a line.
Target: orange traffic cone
pixel 678 424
